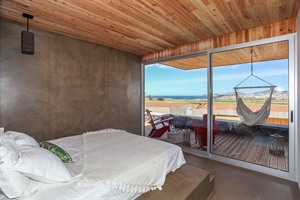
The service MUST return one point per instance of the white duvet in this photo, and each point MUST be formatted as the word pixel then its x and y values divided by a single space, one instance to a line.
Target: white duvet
pixel 134 168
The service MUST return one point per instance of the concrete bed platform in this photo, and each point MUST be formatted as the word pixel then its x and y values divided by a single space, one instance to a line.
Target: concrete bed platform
pixel 188 183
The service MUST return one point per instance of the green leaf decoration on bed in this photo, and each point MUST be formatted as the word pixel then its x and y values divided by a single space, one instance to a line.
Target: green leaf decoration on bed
pixel 59 152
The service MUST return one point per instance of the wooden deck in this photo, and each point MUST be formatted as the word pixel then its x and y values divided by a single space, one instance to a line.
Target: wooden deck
pixel 253 149
pixel 249 148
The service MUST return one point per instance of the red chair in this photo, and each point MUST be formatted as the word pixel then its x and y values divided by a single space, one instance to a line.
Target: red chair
pixel 201 131
pixel 159 125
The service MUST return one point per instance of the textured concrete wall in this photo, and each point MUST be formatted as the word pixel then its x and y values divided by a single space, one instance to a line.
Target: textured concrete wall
pixel 67 87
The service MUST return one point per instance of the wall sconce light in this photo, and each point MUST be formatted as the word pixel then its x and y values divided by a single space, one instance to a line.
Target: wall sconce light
pixel 27 38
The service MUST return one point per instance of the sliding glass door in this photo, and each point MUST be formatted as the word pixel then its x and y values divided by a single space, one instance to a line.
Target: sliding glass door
pixel 251 104
pixel 234 104
pixel 177 89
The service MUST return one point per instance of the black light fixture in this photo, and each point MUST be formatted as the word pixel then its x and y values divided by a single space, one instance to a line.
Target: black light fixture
pixel 27 38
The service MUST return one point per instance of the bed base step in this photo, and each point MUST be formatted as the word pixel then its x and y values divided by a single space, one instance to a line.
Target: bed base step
pixel 188 183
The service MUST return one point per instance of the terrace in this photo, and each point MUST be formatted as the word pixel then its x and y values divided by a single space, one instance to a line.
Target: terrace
pixel 234 140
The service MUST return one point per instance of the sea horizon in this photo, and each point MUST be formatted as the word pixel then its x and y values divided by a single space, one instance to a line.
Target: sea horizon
pixel 180 96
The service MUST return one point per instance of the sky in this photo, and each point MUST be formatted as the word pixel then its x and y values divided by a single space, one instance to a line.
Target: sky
pixel 164 80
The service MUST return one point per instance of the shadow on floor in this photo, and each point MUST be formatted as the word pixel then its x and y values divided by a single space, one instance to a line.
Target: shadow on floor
pixel 234 183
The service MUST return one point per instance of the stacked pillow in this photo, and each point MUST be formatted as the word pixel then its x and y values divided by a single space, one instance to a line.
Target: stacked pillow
pixel 12 183
pixel 23 162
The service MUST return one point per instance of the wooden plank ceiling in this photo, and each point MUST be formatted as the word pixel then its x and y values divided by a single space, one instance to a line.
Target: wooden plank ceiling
pixel 144 26
pixel 271 51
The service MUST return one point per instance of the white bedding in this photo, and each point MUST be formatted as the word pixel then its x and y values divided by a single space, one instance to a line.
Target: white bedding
pixel 74 145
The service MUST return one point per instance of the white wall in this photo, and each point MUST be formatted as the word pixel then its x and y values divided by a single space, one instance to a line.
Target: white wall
pixel 297 147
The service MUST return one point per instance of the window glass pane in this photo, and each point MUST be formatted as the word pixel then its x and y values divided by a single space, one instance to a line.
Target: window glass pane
pixel 177 89
pixel 251 116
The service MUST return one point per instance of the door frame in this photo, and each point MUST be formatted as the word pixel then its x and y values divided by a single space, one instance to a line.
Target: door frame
pixel 291 174
pixel 293 96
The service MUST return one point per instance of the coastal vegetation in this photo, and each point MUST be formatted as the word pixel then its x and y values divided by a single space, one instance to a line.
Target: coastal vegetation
pixel 220 101
pixel 279 98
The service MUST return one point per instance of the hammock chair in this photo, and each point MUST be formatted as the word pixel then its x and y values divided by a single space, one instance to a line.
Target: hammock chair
pixel 246 115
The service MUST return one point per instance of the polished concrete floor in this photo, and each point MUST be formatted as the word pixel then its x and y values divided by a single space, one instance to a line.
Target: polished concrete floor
pixel 234 183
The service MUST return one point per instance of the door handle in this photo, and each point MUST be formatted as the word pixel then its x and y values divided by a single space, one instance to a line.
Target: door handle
pixel 292 116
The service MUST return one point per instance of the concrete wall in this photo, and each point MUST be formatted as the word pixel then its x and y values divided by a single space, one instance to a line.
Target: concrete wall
pixel 67 87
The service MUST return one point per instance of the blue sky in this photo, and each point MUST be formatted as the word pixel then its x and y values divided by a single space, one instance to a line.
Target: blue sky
pixel 164 80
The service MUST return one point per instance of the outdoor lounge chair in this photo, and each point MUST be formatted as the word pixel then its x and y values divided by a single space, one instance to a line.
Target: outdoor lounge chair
pixel 201 131
pixel 159 125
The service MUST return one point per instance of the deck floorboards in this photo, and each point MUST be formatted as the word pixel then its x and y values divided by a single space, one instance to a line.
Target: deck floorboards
pixel 249 148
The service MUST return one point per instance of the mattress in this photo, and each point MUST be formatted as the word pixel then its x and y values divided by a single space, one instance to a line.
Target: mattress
pixel 74 145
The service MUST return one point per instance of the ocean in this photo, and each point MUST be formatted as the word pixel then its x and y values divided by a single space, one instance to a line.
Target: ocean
pixel 180 97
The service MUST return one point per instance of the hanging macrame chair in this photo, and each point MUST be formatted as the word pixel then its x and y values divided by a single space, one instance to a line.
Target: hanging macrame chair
pixel 249 117
pixel 246 115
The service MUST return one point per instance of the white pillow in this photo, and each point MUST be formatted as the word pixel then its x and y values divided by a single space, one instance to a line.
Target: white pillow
pixel 12 183
pixel 42 165
pixel 22 138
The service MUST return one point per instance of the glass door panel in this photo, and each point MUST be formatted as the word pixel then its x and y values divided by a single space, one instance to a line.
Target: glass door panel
pixel 178 89
pixel 250 104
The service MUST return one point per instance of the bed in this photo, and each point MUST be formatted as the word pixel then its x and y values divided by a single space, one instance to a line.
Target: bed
pixel 105 164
